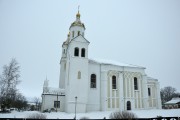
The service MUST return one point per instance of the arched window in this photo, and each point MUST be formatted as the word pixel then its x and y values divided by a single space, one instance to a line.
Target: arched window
pixel 135 84
pixel 113 82
pixel 128 105
pixel 76 51
pixel 78 33
pixel 79 75
pixel 83 52
pixel 93 81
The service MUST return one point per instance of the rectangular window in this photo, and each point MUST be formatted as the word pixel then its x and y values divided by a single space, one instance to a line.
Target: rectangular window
pixel 56 104
pixel 149 92
pixel 79 75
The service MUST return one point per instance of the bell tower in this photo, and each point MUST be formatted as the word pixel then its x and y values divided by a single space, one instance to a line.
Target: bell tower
pixel 74 68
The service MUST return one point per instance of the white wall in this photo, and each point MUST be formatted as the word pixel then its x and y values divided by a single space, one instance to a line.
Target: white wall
pixel 133 72
pixel 48 102
pixel 94 93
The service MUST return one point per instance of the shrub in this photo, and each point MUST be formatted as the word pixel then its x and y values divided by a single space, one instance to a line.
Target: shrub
pixel 53 110
pixel 37 116
pixel 122 115
pixel 47 110
pixel 84 118
pixel 159 116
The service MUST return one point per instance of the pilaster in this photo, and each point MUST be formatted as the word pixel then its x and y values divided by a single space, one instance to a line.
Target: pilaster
pixel 145 91
pixel 121 95
pixel 104 101
pixel 159 106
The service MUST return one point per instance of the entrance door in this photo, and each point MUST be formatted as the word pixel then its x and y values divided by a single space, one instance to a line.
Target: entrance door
pixel 128 105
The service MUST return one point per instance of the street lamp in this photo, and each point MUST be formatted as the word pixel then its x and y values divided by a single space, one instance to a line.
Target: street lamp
pixel 57 103
pixel 75 106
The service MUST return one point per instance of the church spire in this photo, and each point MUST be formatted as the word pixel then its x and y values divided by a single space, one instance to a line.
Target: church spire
pixel 46 82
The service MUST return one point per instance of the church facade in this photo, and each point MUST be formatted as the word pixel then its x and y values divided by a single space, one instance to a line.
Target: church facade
pixel 95 84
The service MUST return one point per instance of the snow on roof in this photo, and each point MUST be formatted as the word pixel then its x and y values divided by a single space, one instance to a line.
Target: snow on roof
pixel 111 62
pixel 173 101
pixel 51 90
pixel 150 78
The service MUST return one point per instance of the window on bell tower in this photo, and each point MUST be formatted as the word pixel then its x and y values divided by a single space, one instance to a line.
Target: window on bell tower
pixel 78 33
pixel 83 52
pixel 72 33
pixel 76 51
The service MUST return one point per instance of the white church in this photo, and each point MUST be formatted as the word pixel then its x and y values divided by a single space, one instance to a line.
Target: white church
pixel 97 85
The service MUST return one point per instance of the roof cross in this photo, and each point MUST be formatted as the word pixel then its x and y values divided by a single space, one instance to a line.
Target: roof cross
pixel 78 8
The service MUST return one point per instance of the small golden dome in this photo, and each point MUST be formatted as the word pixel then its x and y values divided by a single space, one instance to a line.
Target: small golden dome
pixel 78 15
pixel 69 34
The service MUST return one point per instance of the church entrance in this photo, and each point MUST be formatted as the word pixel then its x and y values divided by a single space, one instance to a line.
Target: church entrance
pixel 128 105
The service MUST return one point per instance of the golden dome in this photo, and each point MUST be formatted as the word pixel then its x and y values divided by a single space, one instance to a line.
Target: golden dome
pixel 69 34
pixel 78 15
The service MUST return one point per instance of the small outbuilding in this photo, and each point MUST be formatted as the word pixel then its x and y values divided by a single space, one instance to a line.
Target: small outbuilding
pixel 173 104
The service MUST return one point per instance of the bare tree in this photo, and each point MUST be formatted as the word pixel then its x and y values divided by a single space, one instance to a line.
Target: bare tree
pixel 167 93
pixel 37 102
pixel 20 102
pixel 8 82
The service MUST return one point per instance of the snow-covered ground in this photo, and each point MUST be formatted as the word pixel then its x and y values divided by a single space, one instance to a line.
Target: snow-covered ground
pixel 98 114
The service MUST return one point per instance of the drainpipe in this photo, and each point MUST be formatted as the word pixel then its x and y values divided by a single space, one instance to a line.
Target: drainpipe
pixel 100 88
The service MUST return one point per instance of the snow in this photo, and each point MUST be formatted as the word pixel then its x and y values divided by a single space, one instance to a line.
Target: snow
pixel 173 101
pixel 111 62
pixel 150 78
pixel 54 90
pixel 96 114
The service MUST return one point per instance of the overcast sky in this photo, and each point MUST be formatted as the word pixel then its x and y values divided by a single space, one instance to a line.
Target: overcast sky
pixel 140 32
